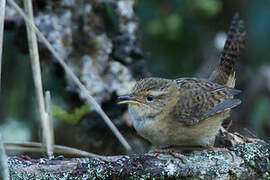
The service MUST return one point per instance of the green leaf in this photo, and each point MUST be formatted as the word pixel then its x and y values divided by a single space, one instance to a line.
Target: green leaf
pixel 72 117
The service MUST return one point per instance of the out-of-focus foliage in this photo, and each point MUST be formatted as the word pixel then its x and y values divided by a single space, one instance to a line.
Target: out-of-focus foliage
pixel 72 117
pixel 260 117
pixel 173 31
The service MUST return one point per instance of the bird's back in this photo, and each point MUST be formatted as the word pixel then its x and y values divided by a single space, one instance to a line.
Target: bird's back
pixel 199 99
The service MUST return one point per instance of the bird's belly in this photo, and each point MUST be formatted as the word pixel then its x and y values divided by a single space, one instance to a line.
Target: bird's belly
pixel 163 133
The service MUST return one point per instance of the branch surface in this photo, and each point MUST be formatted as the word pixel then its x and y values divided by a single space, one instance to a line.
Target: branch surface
pixel 242 161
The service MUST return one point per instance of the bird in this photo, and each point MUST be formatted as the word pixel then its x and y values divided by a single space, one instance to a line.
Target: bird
pixel 188 112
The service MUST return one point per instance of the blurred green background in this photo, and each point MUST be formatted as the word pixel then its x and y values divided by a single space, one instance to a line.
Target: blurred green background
pixel 177 33
pixel 180 38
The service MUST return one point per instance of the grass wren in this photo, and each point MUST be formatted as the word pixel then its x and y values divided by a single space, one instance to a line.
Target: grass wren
pixel 188 111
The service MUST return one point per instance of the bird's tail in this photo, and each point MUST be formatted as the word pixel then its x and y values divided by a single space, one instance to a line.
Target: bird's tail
pixel 224 73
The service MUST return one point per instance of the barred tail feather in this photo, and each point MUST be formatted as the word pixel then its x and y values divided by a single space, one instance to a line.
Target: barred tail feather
pixel 225 74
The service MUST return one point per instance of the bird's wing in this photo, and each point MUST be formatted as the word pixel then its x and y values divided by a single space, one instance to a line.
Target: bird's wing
pixel 203 100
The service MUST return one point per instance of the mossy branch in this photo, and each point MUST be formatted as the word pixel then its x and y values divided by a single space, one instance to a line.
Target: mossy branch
pixel 243 161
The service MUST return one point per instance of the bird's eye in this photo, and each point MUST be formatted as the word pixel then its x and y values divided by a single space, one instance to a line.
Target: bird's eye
pixel 150 98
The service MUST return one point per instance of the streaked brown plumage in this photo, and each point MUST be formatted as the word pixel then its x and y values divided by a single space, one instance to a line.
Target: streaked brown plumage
pixel 187 111
pixel 204 99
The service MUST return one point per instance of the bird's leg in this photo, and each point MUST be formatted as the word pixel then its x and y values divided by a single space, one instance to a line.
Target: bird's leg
pixel 229 125
pixel 171 151
pixel 211 147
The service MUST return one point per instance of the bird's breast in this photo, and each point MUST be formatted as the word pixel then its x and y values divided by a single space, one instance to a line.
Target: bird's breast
pixel 138 118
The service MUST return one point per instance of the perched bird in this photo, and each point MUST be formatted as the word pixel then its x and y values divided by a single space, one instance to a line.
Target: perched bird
pixel 187 112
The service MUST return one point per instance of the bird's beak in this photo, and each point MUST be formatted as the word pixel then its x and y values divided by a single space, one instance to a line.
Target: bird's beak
pixel 125 99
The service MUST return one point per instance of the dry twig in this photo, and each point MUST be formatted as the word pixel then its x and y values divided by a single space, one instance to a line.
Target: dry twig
pixel 37 147
pixel 50 124
pixel 33 48
pixel 2 21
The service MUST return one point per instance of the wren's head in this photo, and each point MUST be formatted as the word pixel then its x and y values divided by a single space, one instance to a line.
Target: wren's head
pixel 150 98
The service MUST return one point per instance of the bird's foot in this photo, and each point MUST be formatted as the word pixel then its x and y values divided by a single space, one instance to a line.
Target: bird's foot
pixel 172 152
pixel 180 156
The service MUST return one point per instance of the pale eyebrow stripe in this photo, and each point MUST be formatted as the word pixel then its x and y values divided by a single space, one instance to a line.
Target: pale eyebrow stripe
pixel 156 93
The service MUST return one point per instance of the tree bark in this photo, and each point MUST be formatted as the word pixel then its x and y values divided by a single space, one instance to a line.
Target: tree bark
pixel 245 160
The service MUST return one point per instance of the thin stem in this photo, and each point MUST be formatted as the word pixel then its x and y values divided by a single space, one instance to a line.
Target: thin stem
pixel 50 123
pixel 37 147
pixel 33 49
pixel 2 22
pixel 4 173
pixel 70 73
